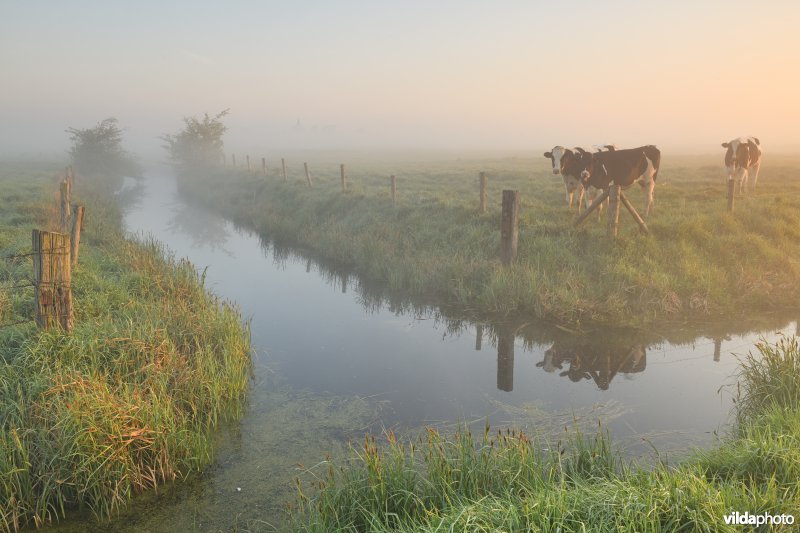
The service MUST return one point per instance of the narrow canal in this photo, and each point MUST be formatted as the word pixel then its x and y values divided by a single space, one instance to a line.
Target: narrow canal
pixel 335 357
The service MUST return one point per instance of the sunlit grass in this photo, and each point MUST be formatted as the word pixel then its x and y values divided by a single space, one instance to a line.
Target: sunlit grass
pixel 699 261
pixel 128 399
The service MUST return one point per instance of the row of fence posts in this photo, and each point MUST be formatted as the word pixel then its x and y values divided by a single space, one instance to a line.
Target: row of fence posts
pixel 54 256
pixel 509 226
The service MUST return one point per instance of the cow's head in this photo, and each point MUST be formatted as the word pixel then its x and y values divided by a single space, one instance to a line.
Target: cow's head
pixel 565 160
pixel 737 155
pixel 555 156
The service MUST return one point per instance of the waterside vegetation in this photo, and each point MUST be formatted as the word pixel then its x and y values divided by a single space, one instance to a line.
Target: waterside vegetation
pixel 506 481
pixel 129 398
pixel 699 261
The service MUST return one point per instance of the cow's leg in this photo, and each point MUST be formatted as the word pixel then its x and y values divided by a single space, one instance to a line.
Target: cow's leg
pixel 743 180
pixel 753 171
pixel 581 194
pixel 569 196
pixel 649 188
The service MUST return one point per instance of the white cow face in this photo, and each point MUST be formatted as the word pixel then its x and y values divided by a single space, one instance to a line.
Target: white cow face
pixel 557 158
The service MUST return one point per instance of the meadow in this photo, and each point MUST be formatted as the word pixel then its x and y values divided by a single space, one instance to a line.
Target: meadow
pixel 699 263
pixel 129 399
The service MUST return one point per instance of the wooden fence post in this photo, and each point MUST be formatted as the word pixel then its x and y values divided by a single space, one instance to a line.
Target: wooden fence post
pixel 264 165
pixel 483 193
pixel 75 234
pixel 393 186
pixel 66 191
pixel 233 160
pixel 731 193
pixel 594 205
pixel 51 278
pixel 613 210
pixel 283 168
pixel 344 177
pixel 509 226
pixel 247 157
pixel 308 175
pixel 634 214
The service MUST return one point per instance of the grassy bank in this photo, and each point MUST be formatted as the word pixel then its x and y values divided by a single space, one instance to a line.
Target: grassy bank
pixel 508 482
pixel 699 261
pixel 129 398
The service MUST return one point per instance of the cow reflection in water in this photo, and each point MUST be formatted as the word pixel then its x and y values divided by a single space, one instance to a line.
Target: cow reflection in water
pixel 599 364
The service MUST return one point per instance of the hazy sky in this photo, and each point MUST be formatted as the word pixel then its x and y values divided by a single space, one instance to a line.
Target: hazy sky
pixel 516 75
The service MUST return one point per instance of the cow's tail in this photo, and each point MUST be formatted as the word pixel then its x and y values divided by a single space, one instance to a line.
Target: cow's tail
pixel 654 154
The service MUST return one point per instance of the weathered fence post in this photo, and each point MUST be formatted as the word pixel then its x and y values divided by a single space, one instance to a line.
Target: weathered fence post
pixel 478 337
pixel 344 177
pixel 264 165
pixel 482 208
pixel 393 185
pixel 505 358
pixel 70 176
pixel 731 193
pixel 283 168
pixel 75 234
pixel 51 278
pixel 594 205
pixel 509 226
pixel 233 160
pixel 308 175
pixel 613 210
pixel 66 191
pixel 717 349
pixel 634 213
pixel 247 157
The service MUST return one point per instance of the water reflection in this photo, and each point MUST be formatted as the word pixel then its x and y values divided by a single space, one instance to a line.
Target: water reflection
pixel 595 358
pixel 598 363
pixel 202 227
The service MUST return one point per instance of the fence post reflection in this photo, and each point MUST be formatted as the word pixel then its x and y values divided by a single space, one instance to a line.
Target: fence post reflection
pixel 505 358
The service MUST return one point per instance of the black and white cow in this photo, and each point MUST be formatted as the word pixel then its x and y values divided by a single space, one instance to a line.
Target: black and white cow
pixel 620 167
pixel 743 160
pixel 564 158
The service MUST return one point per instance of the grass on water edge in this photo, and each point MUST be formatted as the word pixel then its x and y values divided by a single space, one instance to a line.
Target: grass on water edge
pixel 509 482
pixel 128 399
pixel 698 261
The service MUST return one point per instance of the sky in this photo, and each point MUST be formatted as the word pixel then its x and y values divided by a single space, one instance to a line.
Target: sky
pixel 515 75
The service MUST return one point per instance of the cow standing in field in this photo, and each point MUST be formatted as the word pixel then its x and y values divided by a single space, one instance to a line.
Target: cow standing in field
pixel 564 158
pixel 742 160
pixel 620 167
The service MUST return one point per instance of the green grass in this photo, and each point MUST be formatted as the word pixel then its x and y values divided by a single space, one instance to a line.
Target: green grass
pixel 699 261
pixel 128 399
pixel 508 482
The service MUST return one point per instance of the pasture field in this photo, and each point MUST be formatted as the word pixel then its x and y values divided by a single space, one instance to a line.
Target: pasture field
pixel 506 481
pixel 700 262
pixel 129 398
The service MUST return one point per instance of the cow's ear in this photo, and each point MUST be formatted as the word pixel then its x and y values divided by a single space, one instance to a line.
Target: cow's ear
pixel 548 155
pixel 725 145
pixel 757 141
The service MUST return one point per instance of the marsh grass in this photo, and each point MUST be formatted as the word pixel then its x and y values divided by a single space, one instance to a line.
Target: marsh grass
pixel 129 398
pixel 699 261
pixel 506 481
